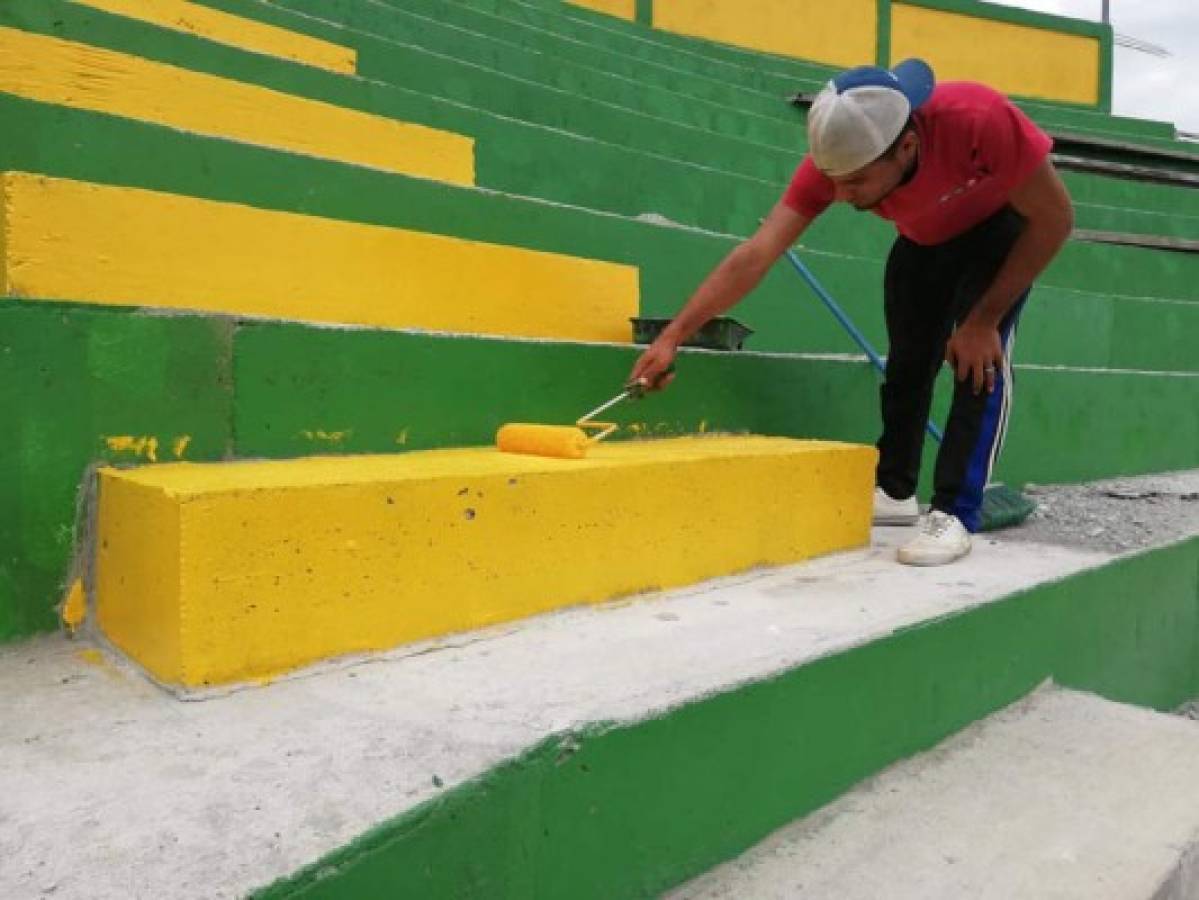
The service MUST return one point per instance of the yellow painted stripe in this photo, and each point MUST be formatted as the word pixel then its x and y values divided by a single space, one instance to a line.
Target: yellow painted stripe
pixel 1015 59
pixel 843 32
pixel 90 243
pixel 205 22
pixel 624 9
pixel 229 572
pixel 86 77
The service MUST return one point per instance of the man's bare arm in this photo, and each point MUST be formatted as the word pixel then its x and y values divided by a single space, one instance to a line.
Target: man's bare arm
pixel 736 275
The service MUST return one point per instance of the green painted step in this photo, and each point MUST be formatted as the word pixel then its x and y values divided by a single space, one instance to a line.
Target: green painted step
pixel 629 809
pixel 511 156
pixel 1136 196
pixel 205 387
pixel 774 76
pixel 70 378
pixel 1157 134
pixel 292 380
pixel 448 77
pixel 770 71
pixel 384 21
pixel 428 79
pixel 808 76
pixel 1094 121
pixel 672 261
pixel 767 124
pixel 516 157
pixel 1102 217
pixel 649 72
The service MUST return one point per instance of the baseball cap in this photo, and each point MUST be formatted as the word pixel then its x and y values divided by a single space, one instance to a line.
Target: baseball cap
pixel 861 112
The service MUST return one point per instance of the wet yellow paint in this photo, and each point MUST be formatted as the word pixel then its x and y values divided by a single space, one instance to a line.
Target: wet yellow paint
pixel 144 446
pixel 624 9
pixel 236 31
pixel 1015 59
pixel 87 77
pixel 96 659
pixel 74 609
pixel 91 656
pixel 211 573
pixel 842 33
pixel 91 243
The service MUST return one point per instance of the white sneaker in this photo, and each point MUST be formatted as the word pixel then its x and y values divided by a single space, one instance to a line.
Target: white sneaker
pixel 888 511
pixel 942 539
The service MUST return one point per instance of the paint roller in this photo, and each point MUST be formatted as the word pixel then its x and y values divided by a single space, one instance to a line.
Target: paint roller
pixel 567 441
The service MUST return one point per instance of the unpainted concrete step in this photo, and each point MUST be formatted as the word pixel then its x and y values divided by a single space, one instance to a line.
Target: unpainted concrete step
pixel 1063 795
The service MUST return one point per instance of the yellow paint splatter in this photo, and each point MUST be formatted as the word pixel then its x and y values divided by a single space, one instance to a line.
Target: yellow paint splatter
pixel 74 610
pixel 146 446
pixel 180 445
pixel 327 437
pixel 96 658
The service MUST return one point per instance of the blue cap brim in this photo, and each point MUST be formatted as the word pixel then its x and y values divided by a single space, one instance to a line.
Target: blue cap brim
pixel 916 80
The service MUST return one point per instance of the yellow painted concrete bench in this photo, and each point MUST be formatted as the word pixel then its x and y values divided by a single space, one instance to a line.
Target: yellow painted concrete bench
pixel 62 239
pixel 216 573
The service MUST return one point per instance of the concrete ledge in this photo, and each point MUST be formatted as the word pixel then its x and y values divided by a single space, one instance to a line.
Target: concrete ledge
pixel 599 752
pixel 216 573
pixel 1062 795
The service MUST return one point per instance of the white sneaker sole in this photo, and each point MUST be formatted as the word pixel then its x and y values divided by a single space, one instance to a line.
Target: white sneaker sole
pixel 896 519
pixel 913 558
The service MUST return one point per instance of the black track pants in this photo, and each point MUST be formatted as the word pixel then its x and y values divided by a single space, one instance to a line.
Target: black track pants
pixel 927 290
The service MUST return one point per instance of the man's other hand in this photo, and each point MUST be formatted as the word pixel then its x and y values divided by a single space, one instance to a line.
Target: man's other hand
pixel 975 352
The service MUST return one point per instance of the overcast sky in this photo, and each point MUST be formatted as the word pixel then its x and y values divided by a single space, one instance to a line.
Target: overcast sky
pixel 1145 86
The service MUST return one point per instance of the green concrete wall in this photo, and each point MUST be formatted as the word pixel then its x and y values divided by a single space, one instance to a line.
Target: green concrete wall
pixel 623 811
pixel 69 378
pixel 277 390
pixel 1098 307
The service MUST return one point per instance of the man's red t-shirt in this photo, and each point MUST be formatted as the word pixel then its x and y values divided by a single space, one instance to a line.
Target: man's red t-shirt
pixel 975 148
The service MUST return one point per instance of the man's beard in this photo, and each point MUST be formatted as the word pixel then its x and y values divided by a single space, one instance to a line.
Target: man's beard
pixel 908 174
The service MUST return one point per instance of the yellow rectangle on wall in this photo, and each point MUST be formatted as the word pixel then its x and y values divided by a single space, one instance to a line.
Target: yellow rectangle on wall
pixel 236 31
pixel 842 33
pixel 623 9
pixel 82 76
pixel 1016 59
pixel 91 243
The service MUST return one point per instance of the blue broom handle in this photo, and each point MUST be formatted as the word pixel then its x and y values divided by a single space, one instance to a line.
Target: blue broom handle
pixel 836 310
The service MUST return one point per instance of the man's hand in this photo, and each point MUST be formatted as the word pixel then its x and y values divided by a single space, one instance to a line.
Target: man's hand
pixel 652 365
pixel 737 275
pixel 975 352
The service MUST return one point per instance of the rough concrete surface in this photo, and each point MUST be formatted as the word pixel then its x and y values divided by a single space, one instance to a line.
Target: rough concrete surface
pixel 112 788
pixel 1063 795
pixel 1116 515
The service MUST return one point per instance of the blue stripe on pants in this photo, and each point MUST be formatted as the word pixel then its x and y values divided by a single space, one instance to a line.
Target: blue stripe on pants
pixel 968 503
